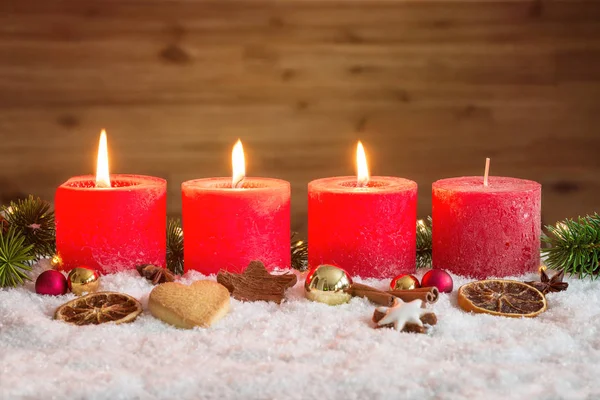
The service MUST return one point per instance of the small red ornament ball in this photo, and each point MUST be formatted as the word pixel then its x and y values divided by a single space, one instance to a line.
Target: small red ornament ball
pixel 51 282
pixel 438 278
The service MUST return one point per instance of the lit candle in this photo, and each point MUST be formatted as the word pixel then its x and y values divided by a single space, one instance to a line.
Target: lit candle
pixel 229 222
pixel 486 226
pixel 363 224
pixel 111 222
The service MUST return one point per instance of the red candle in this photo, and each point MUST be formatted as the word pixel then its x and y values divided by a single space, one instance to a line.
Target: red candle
pixel 366 226
pixel 111 223
pixel 230 222
pixel 484 231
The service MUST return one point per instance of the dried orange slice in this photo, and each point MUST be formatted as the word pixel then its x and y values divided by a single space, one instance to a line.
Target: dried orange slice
pixel 501 297
pixel 98 308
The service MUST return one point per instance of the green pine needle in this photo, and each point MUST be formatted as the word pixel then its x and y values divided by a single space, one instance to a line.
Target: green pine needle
pixel 574 246
pixel 34 219
pixel 424 243
pixel 15 258
pixel 175 246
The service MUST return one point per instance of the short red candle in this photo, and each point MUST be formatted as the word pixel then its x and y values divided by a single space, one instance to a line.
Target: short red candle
pixel 226 228
pixel 111 229
pixel 369 231
pixel 486 231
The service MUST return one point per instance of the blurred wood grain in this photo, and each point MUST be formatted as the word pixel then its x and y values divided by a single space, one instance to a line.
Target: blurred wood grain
pixel 432 87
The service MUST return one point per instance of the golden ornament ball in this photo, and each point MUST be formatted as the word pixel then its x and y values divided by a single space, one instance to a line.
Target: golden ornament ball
pixel 56 262
pixel 83 280
pixel 328 284
pixel 405 282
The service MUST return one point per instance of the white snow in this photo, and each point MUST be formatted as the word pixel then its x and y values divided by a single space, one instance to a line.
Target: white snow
pixel 301 350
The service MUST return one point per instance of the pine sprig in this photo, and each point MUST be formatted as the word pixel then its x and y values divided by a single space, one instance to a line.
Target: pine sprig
pixel 299 250
pixel 175 246
pixel 15 258
pixel 424 245
pixel 34 219
pixel 574 246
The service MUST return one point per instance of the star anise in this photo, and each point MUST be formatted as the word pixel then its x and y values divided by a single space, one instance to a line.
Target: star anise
pixel 155 274
pixel 550 285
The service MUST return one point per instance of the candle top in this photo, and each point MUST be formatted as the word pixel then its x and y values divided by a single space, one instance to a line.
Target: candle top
pixel 348 184
pixel 224 184
pixel 496 184
pixel 118 182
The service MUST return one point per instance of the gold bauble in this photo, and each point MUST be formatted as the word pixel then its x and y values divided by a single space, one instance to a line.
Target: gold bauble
pixel 56 262
pixel 404 282
pixel 328 284
pixel 82 280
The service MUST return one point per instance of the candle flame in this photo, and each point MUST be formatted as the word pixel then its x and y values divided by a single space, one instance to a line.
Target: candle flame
pixel 102 176
pixel 362 175
pixel 239 165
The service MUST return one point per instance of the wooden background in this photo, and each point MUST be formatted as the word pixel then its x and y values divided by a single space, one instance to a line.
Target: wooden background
pixel 431 87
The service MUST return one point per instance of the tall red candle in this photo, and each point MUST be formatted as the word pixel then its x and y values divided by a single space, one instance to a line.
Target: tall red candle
pixel 364 225
pixel 229 222
pixel 111 229
pixel 486 231
pixel 226 228
pixel 369 231
pixel 111 223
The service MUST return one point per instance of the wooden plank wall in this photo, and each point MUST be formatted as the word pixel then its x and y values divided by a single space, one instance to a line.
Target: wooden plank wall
pixel 431 87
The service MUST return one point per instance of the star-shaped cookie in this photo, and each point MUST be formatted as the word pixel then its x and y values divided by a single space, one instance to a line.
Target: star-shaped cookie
pixel 404 316
pixel 256 283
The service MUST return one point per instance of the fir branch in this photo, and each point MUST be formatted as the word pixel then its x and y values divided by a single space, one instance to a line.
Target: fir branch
pixel 15 258
pixel 299 249
pixel 574 246
pixel 424 246
pixel 175 246
pixel 34 219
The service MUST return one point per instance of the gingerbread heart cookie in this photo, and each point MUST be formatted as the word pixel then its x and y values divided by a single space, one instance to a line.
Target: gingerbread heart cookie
pixel 200 304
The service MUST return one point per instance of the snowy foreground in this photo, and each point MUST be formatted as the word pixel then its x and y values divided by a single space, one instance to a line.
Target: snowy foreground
pixel 301 350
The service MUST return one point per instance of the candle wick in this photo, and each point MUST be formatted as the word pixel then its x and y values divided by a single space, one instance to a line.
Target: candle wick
pixel 102 185
pixel 239 183
pixel 487 172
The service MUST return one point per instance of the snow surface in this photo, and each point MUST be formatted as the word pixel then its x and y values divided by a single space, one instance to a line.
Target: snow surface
pixel 300 350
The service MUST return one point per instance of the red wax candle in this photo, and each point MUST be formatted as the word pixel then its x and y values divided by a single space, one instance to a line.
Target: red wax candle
pixel 483 231
pixel 111 229
pixel 369 231
pixel 226 228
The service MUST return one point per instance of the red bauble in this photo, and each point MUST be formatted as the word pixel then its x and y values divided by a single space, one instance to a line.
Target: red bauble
pixel 438 278
pixel 52 283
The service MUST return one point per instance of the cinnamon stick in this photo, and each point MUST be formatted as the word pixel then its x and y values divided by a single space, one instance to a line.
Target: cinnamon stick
pixel 375 295
pixel 427 294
